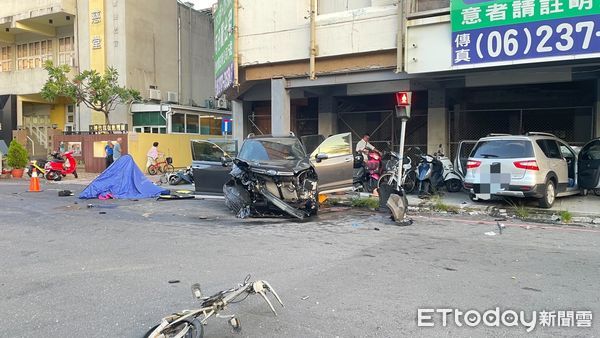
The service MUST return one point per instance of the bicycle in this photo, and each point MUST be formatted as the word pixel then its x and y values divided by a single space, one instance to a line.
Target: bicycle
pixel 165 166
pixel 190 323
pixel 409 176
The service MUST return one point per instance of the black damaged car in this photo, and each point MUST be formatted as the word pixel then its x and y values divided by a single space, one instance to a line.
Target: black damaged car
pixel 274 175
pixel 270 175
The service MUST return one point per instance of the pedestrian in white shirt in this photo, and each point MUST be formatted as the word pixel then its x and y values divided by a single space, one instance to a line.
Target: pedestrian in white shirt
pixel 363 146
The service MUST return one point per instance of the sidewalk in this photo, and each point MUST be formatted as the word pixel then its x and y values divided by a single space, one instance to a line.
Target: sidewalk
pixel 584 210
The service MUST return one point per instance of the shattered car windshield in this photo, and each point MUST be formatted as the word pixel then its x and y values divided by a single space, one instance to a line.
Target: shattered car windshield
pixel 272 149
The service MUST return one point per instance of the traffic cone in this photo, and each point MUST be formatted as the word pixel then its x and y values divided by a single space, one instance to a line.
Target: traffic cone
pixel 34 182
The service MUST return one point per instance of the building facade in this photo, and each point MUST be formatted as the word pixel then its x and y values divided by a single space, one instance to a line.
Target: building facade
pixel 161 48
pixel 331 66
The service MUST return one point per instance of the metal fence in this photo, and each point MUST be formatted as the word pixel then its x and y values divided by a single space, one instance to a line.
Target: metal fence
pixel 572 124
pixel 384 128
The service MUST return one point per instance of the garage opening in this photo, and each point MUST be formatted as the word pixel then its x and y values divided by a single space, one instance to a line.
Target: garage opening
pixel 563 109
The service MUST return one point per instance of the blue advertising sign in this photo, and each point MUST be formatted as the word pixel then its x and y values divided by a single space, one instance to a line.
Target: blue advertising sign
pixel 560 37
pixel 485 33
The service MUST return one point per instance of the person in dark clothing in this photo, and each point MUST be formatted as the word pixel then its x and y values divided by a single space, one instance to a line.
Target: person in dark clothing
pixel 108 153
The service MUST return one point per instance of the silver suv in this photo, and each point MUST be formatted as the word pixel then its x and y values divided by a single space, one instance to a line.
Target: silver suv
pixel 537 165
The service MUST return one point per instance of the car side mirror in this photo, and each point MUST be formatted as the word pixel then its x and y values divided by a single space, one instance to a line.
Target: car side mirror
pixel 321 156
pixel 225 161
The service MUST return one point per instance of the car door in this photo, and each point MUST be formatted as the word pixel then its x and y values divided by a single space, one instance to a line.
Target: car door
pixel 209 171
pixel 333 161
pixel 462 156
pixel 588 165
pixel 554 162
pixel 570 158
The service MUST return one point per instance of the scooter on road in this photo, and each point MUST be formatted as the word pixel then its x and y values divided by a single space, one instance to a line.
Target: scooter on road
pixel 58 167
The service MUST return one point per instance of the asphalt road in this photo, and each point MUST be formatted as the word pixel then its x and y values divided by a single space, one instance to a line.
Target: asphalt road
pixel 73 271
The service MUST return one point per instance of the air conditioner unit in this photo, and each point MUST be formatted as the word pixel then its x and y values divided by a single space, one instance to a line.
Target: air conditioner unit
pixel 222 103
pixel 154 94
pixel 172 97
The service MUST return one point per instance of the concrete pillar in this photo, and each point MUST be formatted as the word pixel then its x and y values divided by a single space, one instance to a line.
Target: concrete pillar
pixel 280 108
pixel 327 116
pixel 19 112
pixel 239 121
pixel 437 121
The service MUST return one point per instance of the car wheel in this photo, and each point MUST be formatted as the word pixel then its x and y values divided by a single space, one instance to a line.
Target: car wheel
pixel 453 185
pixel 549 195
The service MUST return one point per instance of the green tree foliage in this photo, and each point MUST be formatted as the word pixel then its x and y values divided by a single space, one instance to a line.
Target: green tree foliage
pixel 17 157
pixel 99 92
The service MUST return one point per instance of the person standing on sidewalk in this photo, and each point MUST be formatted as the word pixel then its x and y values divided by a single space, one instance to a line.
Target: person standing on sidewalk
pixel 117 149
pixel 108 153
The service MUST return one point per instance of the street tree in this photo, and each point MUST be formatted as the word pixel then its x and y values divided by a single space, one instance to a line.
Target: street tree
pixel 99 92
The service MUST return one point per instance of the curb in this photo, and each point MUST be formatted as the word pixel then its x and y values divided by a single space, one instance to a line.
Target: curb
pixel 544 216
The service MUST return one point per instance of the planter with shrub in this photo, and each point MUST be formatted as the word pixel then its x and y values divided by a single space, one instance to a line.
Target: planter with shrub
pixel 17 158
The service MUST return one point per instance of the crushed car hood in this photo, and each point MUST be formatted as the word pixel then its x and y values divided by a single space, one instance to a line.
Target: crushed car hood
pixel 288 166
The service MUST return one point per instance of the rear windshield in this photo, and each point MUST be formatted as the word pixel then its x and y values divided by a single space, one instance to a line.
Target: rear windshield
pixel 502 149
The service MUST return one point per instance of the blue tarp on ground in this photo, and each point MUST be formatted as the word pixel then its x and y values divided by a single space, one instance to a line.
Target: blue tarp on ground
pixel 122 179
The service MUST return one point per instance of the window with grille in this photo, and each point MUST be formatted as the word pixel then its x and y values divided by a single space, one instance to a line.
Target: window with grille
pixel 6 59
pixel 33 54
pixel 66 51
pixel 70 113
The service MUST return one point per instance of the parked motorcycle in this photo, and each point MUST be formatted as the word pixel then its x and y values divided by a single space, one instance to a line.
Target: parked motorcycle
pixel 366 175
pixel 58 167
pixel 452 178
pixel 190 323
pixel 429 175
pixel 186 175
